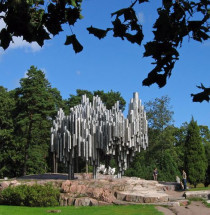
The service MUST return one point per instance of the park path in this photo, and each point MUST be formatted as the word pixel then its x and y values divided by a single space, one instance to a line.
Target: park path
pixel 195 208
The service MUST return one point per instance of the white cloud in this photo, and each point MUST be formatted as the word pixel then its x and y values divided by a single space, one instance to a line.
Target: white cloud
pixel 141 17
pixel 18 42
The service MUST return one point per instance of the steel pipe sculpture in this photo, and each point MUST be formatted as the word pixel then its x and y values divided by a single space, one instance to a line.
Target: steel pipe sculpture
pixel 95 134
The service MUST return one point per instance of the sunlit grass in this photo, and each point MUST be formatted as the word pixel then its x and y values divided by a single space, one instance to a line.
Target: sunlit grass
pixel 95 210
pixel 198 187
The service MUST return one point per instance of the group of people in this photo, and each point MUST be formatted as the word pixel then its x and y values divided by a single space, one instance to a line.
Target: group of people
pixel 183 183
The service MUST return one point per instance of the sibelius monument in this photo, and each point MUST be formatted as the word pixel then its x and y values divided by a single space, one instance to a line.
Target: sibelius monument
pixel 95 134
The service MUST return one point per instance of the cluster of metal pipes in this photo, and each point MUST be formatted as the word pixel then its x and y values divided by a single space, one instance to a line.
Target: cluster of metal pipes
pixel 96 134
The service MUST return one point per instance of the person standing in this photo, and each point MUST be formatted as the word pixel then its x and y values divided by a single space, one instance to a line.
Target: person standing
pixel 155 174
pixel 184 178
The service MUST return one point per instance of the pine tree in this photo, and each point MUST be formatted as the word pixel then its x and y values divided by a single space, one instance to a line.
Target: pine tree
pixel 205 134
pixel 7 149
pixel 195 159
pixel 34 110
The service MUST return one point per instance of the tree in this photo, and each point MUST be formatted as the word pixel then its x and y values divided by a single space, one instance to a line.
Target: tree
pixel 161 152
pixel 35 108
pixel 180 138
pixel 76 99
pixel 109 98
pixel 159 113
pixel 195 160
pixel 7 147
pixel 160 118
pixel 36 20
pixel 205 135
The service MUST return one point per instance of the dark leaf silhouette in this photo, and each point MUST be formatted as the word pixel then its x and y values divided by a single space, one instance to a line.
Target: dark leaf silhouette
pixel 141 1
pixel 137 38
pixel 119 28
pixel 98 32
pixel 38 20
pixel 72 15
pixel 73 40
pixel 5 38
pixel 202 96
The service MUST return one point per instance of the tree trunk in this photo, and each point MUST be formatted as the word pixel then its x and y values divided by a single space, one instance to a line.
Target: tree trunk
pixel 28 142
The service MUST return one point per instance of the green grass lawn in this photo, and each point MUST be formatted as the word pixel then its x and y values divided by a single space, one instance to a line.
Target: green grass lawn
pixel 96 210
pixel 198 187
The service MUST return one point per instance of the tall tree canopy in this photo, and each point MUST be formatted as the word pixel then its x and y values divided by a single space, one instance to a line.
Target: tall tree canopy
pixel 195 158
pixel 7 148
pixel 161 151
pixel 34 109
pixel 159 113
pixel 205 135
pixel 161 137
pixel 37 20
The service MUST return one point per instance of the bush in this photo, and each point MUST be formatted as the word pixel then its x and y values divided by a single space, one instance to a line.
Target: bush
pixel 34 196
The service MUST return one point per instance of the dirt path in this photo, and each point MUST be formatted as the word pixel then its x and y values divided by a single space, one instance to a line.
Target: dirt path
pixel 165 210
pixel 195 208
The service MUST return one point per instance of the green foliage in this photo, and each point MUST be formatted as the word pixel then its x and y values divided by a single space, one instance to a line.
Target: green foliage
pixel 195 159
pixel 143 167
pixel 34 196
pixel 159 113
pixel 162 152
pixel 199 188
pixel 109 98
pixel 205 135
pixel 169 169
pixel 36 104
pixel 161 133
pixel 7 144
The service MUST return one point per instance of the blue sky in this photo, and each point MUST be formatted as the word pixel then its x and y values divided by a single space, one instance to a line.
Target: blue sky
pixel 112 64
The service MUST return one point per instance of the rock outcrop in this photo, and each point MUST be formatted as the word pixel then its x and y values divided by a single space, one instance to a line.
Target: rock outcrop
pixel 112 191
pixel 105 190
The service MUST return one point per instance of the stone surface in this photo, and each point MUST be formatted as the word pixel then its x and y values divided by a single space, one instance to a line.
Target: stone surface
pixel 4 185
pixel 106 190
pixel 202 194
pixel 84 201
pixel 14 183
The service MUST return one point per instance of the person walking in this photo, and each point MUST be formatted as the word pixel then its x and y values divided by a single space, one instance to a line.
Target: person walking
pixel 184 178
